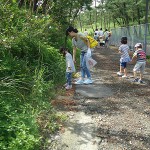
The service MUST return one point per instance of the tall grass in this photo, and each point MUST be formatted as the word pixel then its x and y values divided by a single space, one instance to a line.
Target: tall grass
pixel 31 69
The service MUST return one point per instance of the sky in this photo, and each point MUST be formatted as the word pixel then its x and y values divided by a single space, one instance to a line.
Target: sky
pixel 97 2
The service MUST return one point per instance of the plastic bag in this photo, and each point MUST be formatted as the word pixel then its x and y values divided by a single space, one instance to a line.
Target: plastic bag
pixel 89 52
pixel 90 62
pixel 93 42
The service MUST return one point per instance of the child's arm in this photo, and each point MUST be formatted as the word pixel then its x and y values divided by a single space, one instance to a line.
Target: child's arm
pixel 74 54
pixel 133 58
pixel 131 53
pixel 119 50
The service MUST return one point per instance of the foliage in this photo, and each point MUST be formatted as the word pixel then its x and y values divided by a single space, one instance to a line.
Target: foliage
pixel 112 13
pixel 31 68
pixel 63 12
pixel 148 58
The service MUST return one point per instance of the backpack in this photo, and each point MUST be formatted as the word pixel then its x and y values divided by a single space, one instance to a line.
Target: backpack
pixel 93 42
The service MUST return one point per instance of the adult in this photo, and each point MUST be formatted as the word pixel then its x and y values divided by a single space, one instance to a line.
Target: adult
pixel 101 32
pixel 101 38
pixel 80 41
pixel 96 31
pixel 106 37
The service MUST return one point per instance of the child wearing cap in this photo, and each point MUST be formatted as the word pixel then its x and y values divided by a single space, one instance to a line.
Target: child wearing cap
pixel 140 57
pixel 70 68
pixel 125 58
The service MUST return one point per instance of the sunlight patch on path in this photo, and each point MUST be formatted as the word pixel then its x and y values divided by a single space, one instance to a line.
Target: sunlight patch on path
pixel 80 133
pixel 94 91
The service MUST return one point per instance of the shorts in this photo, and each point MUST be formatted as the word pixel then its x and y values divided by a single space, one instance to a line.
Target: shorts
pixel 139 66
pixel 123 64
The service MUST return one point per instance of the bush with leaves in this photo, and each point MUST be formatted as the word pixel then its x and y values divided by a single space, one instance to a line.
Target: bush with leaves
pixel 31 67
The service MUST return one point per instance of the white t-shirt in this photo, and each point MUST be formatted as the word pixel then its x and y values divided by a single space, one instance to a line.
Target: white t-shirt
pixel 106 34
pixel 97 32
pixel 101 33
pixel 86 33
pixel 69 63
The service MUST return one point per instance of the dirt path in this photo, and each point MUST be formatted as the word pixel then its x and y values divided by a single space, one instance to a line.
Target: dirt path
pixel 117 121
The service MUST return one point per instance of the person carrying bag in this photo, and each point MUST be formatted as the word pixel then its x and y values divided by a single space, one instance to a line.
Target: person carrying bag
pixel 80 41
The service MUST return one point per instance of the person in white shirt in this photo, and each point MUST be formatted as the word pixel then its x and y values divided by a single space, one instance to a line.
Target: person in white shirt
pixel 70 68
pixel 96 37
pixel 86 32
pixel 96 31
pixel 106 37
pixel 101 32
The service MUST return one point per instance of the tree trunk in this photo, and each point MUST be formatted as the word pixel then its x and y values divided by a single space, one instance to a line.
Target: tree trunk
pixel 101 20
pixel 138 13
pixel 80 22
pixel 20 3
pixel 35 5
pixel 44 6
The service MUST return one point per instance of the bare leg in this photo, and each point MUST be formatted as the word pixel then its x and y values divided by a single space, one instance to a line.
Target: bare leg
pixel 141 76
pixel 121 69
pixel 135 75
pixel 125 71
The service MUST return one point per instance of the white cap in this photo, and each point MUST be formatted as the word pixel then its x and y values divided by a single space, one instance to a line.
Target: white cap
pixel 137 45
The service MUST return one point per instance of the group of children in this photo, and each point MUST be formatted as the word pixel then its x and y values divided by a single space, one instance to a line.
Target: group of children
pixel 139 56
pixel 102 37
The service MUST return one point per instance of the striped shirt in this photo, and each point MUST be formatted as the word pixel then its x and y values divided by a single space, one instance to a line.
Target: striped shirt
pixel 140 54
pixel 124 49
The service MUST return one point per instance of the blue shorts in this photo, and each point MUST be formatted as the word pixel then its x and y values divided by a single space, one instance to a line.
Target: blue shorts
pixel 123 64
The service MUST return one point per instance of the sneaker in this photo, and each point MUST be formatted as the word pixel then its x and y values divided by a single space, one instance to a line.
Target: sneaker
pixel 119 74
pixel 68 87
pixel 135 80
pixel 124 76
pixel 88 81
pixel 79 82
pixel 140 81
pixel 65 84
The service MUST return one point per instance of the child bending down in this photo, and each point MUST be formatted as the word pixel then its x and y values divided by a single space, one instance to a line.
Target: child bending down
pixel 70 68
pixel 125 58
pixel 140 57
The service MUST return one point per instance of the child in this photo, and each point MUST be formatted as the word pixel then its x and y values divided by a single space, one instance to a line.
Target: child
pixel 102 42
pixel 96 37
pixel 125 58
pixel 70 68
pixel 140 57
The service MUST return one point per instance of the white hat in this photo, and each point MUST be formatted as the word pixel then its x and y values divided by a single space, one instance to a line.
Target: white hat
pixel 137 45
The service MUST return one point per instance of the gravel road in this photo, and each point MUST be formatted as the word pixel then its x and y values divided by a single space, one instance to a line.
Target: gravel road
pixel 116 121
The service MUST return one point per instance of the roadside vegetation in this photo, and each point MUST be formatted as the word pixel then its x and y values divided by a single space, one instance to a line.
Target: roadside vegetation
pixel 32 70
pixel 112 14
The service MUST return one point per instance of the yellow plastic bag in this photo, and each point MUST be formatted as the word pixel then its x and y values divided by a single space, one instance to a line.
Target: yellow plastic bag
pixel 76 75
pixel 93 42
